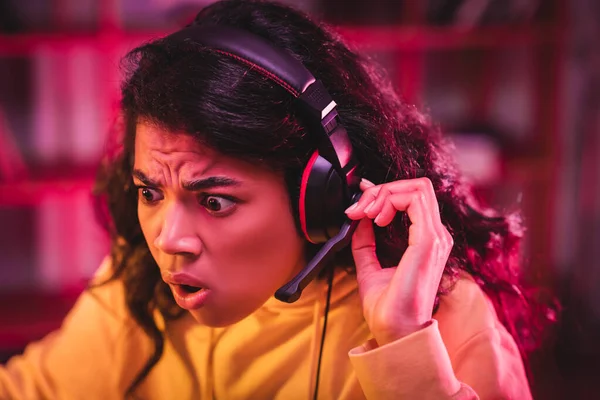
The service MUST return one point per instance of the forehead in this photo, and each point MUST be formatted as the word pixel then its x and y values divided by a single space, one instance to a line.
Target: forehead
pixel 157 148
pixel 149 137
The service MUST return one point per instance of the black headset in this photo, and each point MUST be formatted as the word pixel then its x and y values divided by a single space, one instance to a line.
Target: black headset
pixel 329 182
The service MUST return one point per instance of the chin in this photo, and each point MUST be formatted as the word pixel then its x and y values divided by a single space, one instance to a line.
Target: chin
pixel 216 318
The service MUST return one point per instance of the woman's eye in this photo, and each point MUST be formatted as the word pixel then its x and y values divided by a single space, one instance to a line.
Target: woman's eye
pixel 217 204
pixel 148 195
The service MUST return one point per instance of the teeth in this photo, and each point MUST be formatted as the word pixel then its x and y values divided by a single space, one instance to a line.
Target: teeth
pixel 190 289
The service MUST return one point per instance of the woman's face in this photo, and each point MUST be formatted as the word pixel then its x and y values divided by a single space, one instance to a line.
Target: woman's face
pixel 220 229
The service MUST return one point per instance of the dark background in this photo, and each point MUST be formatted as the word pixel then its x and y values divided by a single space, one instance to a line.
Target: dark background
pixel 514 83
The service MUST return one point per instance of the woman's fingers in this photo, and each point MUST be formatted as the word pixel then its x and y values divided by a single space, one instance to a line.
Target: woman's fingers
pixel 387 213
pixel 369 193
pixel 373 193
pixel 414 196
pixel 363 249
pixel 374 198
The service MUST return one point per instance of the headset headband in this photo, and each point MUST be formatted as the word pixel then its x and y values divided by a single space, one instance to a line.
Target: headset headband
pixel 315 104
pixel 254 51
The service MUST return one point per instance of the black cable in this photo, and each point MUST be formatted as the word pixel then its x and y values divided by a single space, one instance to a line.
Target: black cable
pixel 330 284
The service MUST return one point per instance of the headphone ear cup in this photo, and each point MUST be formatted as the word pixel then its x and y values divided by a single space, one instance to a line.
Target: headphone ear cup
pixel 322 200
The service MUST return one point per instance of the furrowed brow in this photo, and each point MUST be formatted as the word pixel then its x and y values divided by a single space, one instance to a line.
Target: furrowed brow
pixel 209 183
pixel 144 179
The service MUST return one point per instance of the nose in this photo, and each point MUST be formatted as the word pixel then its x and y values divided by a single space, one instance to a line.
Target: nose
pixel 178 234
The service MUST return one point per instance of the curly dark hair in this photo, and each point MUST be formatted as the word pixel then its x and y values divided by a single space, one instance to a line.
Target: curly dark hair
pixel 225 105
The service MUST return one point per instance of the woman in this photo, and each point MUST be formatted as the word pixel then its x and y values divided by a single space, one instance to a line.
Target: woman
pixel 202 202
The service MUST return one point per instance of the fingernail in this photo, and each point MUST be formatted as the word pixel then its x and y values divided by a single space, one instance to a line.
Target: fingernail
pixel 351 208
pixel 367 208
pixel 376 220
pixel 368 182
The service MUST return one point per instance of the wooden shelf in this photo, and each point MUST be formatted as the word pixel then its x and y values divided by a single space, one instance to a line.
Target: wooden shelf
pixel 32 192
pixel 447 38
pixel 380 38
pixel 26 44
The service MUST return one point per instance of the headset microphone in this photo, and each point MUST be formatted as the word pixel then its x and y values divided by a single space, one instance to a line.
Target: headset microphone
pixel 291 291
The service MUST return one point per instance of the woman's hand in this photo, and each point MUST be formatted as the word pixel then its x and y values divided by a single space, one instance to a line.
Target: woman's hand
pixel 399 301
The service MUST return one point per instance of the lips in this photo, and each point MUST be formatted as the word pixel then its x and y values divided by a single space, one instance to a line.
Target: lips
pixel 187 300
pixel 189 292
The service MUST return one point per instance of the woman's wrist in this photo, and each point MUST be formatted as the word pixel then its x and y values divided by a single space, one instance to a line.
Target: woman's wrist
pixel 383 338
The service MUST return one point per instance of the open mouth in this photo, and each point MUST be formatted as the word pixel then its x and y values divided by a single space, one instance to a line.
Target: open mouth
pixel 190 289
pixel 190 297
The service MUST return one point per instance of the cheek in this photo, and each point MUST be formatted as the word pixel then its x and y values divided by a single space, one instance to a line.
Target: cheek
pixel 263 250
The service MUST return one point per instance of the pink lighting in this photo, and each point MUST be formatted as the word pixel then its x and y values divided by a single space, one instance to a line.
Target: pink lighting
pixel 516 90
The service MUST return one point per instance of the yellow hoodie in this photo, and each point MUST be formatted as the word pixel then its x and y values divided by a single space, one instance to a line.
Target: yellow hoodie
pixel 465 353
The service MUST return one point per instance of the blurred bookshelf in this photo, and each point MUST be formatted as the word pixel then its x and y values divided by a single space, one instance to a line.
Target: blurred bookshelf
pixel 491 79
pixel 445 60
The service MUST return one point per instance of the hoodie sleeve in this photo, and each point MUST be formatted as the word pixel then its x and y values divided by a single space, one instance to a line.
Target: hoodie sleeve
pixel 66 363
pixel 465 353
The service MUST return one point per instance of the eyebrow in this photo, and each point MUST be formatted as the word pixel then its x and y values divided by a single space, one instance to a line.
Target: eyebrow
pixel 200 184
